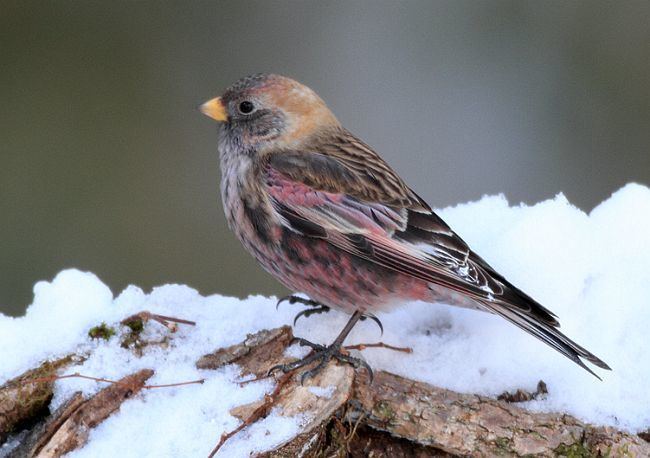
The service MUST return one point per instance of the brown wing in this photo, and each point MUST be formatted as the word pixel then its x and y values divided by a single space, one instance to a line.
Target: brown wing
pixel 344 164
pixel 339 189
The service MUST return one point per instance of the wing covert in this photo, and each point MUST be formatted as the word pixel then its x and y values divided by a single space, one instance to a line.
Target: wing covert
pixel 370 212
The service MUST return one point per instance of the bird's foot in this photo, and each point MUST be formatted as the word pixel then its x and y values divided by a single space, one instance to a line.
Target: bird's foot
pixel 317 308
pixel 323 355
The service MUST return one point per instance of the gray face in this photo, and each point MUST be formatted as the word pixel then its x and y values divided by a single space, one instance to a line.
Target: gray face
pixel 250 118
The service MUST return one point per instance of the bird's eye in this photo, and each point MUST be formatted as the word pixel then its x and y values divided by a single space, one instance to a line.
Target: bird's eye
pixel 246 107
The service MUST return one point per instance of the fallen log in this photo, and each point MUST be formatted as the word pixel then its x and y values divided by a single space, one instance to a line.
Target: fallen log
pixel 470 425
pixel 68 428
pixel 413 418
pixel 21 403
pixel 343 415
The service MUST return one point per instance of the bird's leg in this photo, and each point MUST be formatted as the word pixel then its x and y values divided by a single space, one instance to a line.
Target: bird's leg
pixel 324 354
pixel 316 308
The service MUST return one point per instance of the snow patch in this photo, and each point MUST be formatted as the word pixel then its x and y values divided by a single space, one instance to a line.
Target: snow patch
pixel 322 391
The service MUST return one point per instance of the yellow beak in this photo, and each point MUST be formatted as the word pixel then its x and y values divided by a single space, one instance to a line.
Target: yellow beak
pixel 215 109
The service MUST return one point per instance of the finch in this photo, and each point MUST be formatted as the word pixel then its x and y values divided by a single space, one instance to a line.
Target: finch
pixel 324 214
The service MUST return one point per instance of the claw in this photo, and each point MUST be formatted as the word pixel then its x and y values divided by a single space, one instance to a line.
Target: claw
pixel 313 372
pixel 285 367
pixel 298 315
pixel 375 319
pixel 357 363
pixel 293 299
pixel 277 367
pixel 281 300
pixel 306 375
pixel 305 343
pixel 309 312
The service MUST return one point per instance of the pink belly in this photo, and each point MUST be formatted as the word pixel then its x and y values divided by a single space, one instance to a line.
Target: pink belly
pixel 338 279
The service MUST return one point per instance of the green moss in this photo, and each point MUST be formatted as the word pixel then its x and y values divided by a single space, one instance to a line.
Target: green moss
pixel 103 331
pixel 575 450
pixel 132 338
pixel 383 411
pixel 136 326
pixel 623 451
pixel 504 444
pixel 538 435
pixel 24 404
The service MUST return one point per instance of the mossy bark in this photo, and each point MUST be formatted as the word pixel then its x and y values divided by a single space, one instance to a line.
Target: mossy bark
pixel 392 417
pixel 22 403
pixel 395 416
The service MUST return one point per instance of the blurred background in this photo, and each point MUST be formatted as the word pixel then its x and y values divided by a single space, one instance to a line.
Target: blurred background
pixel 106 164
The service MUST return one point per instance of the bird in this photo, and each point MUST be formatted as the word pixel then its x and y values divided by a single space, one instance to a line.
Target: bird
pixel 324 214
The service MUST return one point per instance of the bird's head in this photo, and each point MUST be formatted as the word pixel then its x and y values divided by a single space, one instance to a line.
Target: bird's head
pixel 268 112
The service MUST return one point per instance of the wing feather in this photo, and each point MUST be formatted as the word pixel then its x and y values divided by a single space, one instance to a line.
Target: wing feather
pixel 342 191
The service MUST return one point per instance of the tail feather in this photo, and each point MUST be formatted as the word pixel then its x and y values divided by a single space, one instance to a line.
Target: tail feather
pixel 547 333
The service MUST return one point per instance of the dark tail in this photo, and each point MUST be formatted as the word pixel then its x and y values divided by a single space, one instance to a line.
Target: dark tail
pixel 547 332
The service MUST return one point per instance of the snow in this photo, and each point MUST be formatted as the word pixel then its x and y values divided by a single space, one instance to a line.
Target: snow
pixel 592 270
pixel 322 391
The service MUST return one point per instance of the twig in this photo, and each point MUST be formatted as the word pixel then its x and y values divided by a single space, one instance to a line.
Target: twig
pixel 53 378
pixel 261 412
pixel 168 321
pixel 256 379
pixel 350 436
pixel 200 381
pixel 362 347
pixel 175 320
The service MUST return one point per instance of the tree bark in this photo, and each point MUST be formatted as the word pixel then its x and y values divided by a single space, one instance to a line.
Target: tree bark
pixel 21 402
pixel 68 428
pixel 346 416
pixel 395 416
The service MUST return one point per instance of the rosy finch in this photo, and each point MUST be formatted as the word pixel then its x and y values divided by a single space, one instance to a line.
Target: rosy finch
pixel 325 215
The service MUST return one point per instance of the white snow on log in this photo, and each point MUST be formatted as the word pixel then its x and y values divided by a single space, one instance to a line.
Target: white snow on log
pixel 322 392
pixel 592 270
